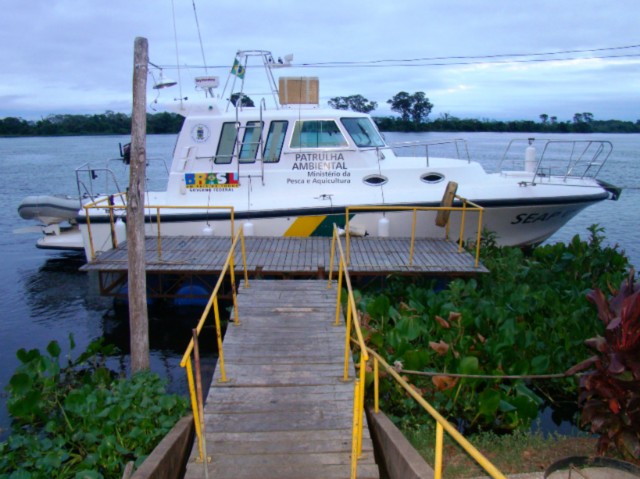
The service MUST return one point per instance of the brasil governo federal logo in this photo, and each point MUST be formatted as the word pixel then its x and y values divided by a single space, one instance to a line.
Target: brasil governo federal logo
pixel 211 180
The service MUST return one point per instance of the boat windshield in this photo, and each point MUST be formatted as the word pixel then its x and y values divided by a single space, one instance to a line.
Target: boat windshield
pixel 363 132
pixel 317 134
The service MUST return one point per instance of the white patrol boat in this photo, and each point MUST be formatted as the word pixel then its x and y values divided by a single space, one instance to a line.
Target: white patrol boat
pixel 293 168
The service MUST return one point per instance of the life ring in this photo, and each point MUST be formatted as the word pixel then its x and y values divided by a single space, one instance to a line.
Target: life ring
pixel 442 217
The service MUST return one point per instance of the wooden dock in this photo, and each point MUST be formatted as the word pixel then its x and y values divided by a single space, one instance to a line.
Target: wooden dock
pixel 285 411
pixel 294 256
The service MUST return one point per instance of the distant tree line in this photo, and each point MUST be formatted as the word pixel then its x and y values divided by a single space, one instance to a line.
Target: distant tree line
pixel 413 115
pixel 414 110
pixel 451 123
pixel 108 123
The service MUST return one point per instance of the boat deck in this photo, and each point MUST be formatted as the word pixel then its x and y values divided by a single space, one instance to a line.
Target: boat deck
pixel 285 411
pixel 295 256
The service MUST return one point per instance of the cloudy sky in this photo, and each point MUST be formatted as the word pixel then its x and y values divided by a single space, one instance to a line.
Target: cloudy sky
pixel 479 59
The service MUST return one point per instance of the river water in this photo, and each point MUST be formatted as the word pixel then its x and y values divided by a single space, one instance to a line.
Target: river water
pixel 44 297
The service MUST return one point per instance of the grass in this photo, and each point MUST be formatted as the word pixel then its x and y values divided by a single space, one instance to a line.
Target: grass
pixel 515 453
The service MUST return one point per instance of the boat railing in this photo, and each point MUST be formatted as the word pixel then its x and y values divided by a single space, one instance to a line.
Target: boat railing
pixel 355 337
pixel 449 148
pixel 93 182
pixel 453 148
pixel 87 178
pixel 545 159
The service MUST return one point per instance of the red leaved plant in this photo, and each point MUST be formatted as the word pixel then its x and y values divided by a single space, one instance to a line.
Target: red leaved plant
pixel 610 388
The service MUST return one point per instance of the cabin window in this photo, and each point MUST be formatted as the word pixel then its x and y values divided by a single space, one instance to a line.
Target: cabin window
pixel 250 142
pixel 275 140
pixel 432 178
pixel 227 144
pixel 317 134
pixel 375 180
pixel 363 132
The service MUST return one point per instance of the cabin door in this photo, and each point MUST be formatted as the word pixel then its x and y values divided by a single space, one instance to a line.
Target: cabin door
pixel 249 150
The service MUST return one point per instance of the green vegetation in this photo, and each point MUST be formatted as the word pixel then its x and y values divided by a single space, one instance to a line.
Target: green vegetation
pixel 353 102
pixel 528 316
pixel 108 123
pixel 80 419
pixel 413 110
pixel 452 123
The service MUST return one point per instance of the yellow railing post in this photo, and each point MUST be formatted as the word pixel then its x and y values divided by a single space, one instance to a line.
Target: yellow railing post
pixel 354 431
pixel 413 235
pixel 347 350
pixel 437 466
pixel 244 260
pixel 362 381
pixel 462 224
pixel 232 276
pixel 223 376
pixel 376 386
pixel 195 408
pixel 339 293
pixel 335 237
pixel 348 238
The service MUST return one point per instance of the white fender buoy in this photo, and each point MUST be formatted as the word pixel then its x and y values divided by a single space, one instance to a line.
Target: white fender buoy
pixel 530 159
pixel 207 230
pixel 247 228
pixel 183 187
pixel 383 227
pixel 120 229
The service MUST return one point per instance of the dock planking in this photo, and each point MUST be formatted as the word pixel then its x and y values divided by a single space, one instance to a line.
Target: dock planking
pixel 295 256
pixel 285 411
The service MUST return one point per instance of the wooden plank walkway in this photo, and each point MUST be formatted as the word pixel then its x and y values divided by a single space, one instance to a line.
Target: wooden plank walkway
pixel 296 256
pixel 285 412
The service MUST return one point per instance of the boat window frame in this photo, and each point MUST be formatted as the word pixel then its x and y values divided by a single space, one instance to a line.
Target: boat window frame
pixel 432 178
pixel 249 145
pixel 275 139
pixel 354 135
pixel 375 180
pixel 297 135
pixel 221 156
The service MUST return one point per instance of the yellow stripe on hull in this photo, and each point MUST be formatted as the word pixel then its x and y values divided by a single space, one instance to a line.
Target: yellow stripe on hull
pixel 304 225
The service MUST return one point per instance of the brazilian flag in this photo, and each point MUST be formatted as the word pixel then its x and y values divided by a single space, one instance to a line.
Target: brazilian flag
pixel 237 69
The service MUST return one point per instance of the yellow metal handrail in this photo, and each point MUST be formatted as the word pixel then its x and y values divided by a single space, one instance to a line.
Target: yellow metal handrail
pixel 229 266
pixel 467 206
pixel 352 319
pixel 106 203
pixel 441 423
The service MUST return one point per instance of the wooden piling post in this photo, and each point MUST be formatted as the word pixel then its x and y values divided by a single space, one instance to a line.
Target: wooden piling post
pixel 138 317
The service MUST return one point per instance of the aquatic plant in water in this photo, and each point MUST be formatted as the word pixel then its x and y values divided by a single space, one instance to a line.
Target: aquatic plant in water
pixel 528 316
pixel 80 419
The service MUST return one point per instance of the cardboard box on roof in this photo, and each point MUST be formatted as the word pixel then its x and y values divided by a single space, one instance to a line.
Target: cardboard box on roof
pixel 299 90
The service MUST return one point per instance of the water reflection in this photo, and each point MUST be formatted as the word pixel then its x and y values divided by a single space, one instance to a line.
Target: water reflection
pixel 57 289
pixel 47 298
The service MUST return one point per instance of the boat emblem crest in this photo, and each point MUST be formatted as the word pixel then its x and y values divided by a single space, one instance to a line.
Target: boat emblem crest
pixel 200 133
